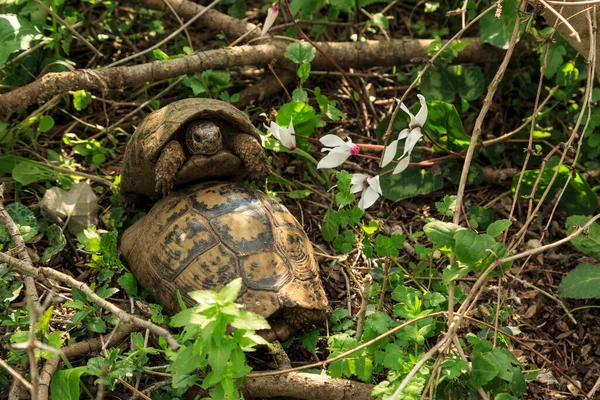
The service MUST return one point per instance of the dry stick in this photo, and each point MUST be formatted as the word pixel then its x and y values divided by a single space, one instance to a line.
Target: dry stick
pixel 367 281
pixel 44 272
pixel 386 277
pixel 69 28
pixel 187 34
pixel 323 364
pixel 561 18
pixel 16 375
pixel 588 95
pixel 373 53
pixel 165 40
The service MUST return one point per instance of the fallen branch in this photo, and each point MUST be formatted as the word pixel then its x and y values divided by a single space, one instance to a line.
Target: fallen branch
pixel 301 385
pixel 350 55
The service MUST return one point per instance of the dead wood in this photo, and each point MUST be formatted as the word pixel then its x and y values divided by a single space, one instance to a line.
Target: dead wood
pixel 298 385
pixel 348 55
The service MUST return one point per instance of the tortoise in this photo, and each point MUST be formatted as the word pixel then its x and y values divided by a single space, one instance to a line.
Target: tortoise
pixel 187 141
pixel 208 234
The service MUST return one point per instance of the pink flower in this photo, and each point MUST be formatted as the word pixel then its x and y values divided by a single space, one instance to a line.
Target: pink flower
pixel 339 151
pixel 370 187
pixel 271 17
pixel 413 133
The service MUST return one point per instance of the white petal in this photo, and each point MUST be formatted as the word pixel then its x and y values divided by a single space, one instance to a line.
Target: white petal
pixel 270 20
pixel 412 140
pixel 291 127
pixel 389 153
pixel 332 160
pixel 358 178
pixel 421 116
pixel 404 133
pixel 332 141
pixel 402 165
pixel 406 110
pixel 374 184
pixel 368 198
pixel 358 183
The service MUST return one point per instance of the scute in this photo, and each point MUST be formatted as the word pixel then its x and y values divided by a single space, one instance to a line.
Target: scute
pixel 265 271
pixel 212 270
pixel 294 244
pixel 248 230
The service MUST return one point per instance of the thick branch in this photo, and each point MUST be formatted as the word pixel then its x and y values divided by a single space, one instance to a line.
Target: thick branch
pixel 349 55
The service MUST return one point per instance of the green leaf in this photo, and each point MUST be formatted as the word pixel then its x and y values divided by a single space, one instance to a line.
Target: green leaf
pixel 578 198
pixel 479 217
pixel 555 59
pixel 442 233
pixel 498 31
pixel 567 74
pixel 456 270
pixel 310 340
pixel 216 77
pixel 330 227
pixel 230 292
pixel 445 125
pixel 303 117
pixel 588 243
pixel 187 360
pixel 581 283
pixel 300 52
pixel 96 324
pixel 16 33
pixel 128 282
pixel 409 183
pixel 344 243
pixel 65 383
pixel 81 99
pixel 25 220
pixel 46 123
pixel 446 206
pixel 497 228
pixel 218 357
pixel 249 320
pixel 471 247
pixel 303 72
pixel 483 370
pixel 56 243
pixel 28 172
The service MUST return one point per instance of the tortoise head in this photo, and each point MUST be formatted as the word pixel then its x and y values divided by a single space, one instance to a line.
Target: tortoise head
pixel 203 137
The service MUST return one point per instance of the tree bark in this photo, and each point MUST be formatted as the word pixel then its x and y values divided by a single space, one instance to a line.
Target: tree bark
pixel 348 55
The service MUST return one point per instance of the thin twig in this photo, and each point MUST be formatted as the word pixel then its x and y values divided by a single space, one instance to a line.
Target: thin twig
pixel 362 312
pixel 165 40
pixel 69 28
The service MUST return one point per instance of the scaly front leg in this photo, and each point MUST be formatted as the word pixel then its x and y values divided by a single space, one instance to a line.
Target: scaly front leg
pixel 172 158
pixel 249 150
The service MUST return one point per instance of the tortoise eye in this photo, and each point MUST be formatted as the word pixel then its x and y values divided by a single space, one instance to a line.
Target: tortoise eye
pixel 197 138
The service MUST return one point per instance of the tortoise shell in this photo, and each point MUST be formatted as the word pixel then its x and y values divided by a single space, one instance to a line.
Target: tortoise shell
pixel 209 234
pixel 162 126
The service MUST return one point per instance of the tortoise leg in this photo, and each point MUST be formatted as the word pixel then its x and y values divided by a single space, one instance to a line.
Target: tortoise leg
pixel 171 158
pixel 249 150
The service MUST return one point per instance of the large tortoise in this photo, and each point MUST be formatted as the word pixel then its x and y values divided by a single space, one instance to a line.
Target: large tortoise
pixel 189 141
pixel 209 234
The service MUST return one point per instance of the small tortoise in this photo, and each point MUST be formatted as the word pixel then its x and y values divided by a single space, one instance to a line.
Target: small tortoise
pixel 189 141
pixel 209 234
